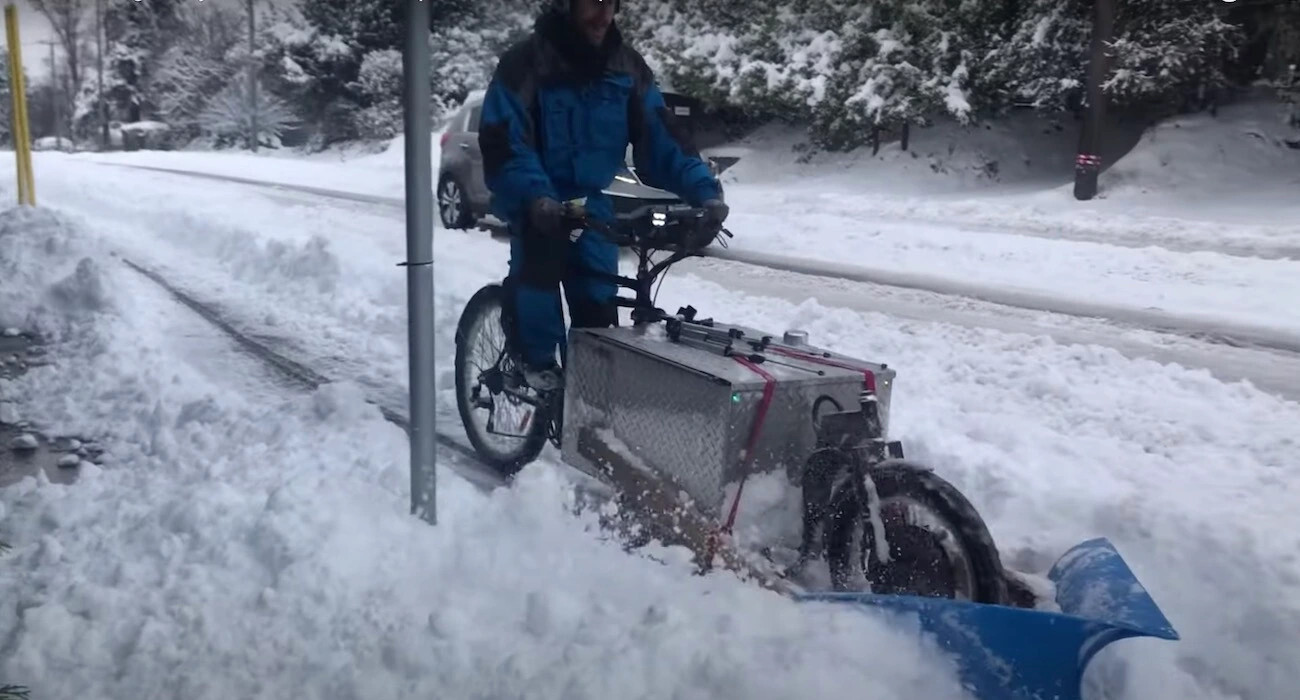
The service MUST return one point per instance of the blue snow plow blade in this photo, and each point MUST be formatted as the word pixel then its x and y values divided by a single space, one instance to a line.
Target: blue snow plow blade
pixel 1025 654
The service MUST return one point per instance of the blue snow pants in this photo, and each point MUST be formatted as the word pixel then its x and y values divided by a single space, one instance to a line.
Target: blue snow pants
pixel 538 267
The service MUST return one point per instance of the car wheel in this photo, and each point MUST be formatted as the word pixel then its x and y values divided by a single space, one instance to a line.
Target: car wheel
pixel 453 204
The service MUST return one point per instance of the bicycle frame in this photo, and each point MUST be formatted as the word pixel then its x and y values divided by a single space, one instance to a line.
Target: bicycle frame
pixel 642 305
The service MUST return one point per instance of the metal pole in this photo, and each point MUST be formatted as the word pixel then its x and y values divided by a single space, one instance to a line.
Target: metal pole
pixel 252 81
pixel 1087 163
pixel 419 256
pixel 99 51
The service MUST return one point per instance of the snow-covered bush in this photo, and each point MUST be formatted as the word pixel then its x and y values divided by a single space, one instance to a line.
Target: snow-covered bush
pixel 228 116
pixel 379 84
pixel 340 60
pixel 1167 50
pixel 1039 59
pixel 847 69
pixel 844 68
pixel 464 56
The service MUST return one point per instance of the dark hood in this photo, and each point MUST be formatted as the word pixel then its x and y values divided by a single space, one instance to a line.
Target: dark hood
pixel 586 61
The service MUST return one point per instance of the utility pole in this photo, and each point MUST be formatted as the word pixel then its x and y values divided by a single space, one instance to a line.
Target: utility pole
pixel 56 95
pixel 1087 163
pixel 99 54
pixel 252 81
pixel 419 260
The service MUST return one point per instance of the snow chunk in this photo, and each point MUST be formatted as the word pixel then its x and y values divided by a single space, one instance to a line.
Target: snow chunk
pixel 25 442
pixel 343 402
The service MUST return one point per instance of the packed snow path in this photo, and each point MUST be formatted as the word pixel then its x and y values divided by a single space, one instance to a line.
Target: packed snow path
pixel 299 527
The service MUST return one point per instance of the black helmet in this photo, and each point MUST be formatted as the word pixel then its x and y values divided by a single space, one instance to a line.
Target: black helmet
pixel 562 6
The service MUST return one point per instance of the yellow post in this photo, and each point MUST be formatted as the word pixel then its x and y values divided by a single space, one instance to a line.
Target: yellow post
pixel 17 130
pixel 18 92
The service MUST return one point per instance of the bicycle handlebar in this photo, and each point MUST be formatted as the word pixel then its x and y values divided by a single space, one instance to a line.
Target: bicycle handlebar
pixel 651 225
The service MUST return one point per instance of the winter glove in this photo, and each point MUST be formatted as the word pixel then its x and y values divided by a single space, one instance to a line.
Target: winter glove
pixel 715 212
pixel 546 215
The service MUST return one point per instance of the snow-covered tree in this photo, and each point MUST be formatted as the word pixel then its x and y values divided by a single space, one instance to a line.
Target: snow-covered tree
pixel 1166 51
pixel 138 33
pixel 6 102
pixel 228 115
pixel 340 62
pixel 68 20
pixel 845 68
pixel 314 71
pixel 464 55
pixel 379 83
pixel 1039 59
pixel 211 53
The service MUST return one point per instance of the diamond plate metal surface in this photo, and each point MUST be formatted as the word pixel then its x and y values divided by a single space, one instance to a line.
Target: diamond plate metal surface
pixel 688 412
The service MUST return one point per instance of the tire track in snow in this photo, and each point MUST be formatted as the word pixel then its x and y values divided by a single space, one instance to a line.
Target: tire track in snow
pixel 479 475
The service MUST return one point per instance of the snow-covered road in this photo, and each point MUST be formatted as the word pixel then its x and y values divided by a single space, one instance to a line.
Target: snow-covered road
pixel 1265 355
pixel 297 526
pixel 1244 301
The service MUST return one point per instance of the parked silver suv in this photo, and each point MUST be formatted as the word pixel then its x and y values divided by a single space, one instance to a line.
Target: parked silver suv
pixel 463 196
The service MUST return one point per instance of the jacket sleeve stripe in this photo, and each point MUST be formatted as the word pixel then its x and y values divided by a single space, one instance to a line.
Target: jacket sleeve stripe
pixel 511 166
pixel 663 156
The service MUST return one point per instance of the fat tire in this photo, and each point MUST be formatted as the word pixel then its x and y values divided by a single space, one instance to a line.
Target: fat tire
pixel 479 305
pixel 920 484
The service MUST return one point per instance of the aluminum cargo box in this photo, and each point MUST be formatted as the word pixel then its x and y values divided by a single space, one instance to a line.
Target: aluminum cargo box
pixel 687 412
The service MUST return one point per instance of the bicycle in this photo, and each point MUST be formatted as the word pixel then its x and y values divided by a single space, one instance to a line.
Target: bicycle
pixel 500 386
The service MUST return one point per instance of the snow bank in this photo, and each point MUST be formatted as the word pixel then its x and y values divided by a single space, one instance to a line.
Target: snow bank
pixel 1239 159
pixel 262 548
pixel 1181 185
pixel 1194 480
pixel 946 158
pixel 378 171
pixel 50 282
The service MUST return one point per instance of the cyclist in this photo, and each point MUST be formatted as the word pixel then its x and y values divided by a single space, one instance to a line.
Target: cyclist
pixel 561 109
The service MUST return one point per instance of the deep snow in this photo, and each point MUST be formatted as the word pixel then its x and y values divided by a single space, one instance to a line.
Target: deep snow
pixel 259 547
pixel 1195 480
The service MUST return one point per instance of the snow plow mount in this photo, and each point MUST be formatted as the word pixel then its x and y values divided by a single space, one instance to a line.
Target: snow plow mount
pixel 1034 654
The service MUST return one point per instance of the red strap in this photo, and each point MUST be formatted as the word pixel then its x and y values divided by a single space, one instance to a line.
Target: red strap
pixel 868 377
pixel 769 388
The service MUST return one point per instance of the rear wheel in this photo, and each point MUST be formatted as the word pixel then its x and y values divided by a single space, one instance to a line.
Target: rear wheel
pixel 506 422
pixel 920 536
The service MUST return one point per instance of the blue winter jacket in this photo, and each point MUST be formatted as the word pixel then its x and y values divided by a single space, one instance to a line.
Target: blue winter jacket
pixel 554 124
